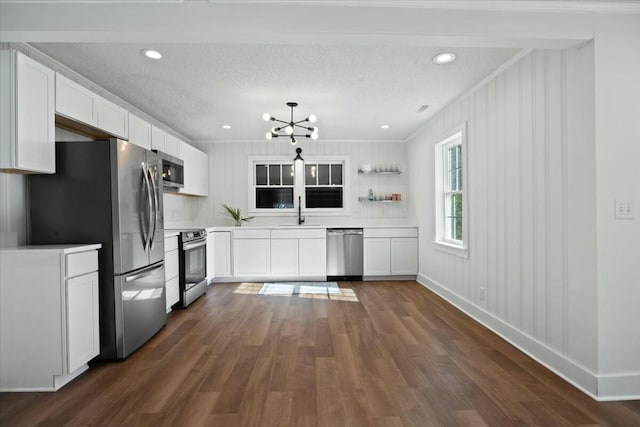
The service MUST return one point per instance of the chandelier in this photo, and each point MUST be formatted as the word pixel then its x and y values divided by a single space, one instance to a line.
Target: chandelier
pixel 289 128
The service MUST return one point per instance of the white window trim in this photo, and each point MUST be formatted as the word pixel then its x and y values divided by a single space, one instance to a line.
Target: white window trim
pixel 298 186
pixel 440 149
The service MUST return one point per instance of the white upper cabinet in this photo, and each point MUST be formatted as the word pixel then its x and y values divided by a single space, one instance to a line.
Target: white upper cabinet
pixel 79 104
pixel 112 118
pixel 196 171
pixel 27 126
pixel 139 132
pixel 169 144
pixel 75 102
pixel 173 146
pixel 157 138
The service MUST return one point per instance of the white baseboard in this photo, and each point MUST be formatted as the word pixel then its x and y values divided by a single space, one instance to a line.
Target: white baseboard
pixel 619 387
pixel 575 374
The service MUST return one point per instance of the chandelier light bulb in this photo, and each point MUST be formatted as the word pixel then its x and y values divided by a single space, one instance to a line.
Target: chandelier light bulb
pixel 289 130
pixel 314 135
pixel 268 135
pixel 312 118
pixel 266 117
pixel 314 130
pixel 294 141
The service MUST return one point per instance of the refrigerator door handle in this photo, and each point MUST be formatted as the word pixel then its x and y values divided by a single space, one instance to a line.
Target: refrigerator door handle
pixel 150 203
pixel 145 273
pixel 152 235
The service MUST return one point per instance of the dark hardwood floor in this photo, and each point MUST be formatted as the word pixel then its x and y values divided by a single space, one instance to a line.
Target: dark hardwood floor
pixel 390 354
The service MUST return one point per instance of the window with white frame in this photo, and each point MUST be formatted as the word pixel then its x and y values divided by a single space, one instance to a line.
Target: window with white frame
pixel 450 187
pixel 273 185
pixel 323 185
pixel 277 185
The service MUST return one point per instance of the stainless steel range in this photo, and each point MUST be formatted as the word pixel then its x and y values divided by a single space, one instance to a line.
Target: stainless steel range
pixel 192 255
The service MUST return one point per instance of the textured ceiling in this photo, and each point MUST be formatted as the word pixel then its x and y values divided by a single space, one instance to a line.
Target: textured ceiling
pixel 195 88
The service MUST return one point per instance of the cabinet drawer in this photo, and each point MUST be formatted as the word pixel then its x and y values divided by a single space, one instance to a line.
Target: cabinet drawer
pixel 171 243
pixel 391 232
pixel 288 233
pixel 81 263
pixel 252 234
pixel 171 265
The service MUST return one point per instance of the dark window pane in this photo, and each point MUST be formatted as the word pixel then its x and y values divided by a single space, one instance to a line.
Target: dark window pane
pixel 310 174
pixel 287 174
pixel 274 198
pixel 323 197
pixel 261 174
pixel 274 174
pixel 336 174
pixel 323 174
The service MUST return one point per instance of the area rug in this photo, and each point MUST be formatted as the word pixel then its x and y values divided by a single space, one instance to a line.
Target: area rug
pixel 293 288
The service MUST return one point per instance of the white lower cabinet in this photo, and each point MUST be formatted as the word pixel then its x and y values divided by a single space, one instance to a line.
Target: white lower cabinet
pixel 377 257
pixel 404 255
pixel 82 319
pixel 252 257
pixel 284 257
pixel 221 253
pixel 312 257
pixel 49 315
pixel 171 271
pixel 390 252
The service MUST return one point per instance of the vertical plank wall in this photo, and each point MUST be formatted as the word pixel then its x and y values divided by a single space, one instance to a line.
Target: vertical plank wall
pixel 229 178
pixel 531 213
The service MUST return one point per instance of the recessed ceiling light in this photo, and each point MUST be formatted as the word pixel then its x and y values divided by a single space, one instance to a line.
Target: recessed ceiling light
pixel 384 126
pixel 150 53
pixel 226 126
pixel 444 58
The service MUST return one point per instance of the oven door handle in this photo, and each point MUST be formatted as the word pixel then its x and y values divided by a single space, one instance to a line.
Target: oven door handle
pixel 190 246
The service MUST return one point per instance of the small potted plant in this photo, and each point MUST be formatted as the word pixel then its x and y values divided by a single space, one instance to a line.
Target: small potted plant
pixel 235 214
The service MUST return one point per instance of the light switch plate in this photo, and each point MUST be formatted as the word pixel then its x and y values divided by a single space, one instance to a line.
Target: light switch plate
pixel 624 210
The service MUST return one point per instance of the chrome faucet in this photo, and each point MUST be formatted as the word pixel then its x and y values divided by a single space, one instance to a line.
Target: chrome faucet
pixel 300 217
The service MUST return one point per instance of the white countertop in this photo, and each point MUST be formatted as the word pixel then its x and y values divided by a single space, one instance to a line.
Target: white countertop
pixel 303 227
pixel 170 233
pixel 65 249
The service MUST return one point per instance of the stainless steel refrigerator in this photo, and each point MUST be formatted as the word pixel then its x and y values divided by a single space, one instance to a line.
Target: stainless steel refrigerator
pixel 109 192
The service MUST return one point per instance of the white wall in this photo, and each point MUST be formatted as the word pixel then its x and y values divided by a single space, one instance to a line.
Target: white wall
pixel 531 214
pixel 617 100
pixel 229 177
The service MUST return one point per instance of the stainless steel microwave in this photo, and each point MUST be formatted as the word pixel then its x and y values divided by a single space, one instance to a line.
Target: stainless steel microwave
pixel 172 171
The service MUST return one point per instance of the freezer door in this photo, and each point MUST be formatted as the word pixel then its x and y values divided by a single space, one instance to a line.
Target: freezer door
pixel 141 309
pixel 156 241
pixel 133 205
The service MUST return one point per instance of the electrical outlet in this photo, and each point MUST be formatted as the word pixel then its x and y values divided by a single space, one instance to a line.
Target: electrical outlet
pixel 483 294
pixel 624 209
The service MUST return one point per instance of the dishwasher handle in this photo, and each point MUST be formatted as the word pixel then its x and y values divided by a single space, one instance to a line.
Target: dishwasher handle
pixel 344 232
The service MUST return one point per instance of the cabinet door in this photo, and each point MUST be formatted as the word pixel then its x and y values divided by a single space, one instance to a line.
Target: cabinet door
pixel 158 137
pixel 172 289
pixel 221 253
pixel 284 259
pixel 172 146
pixel 83 330
pixel 377 257
pixel 139 132
pixel 112 118
pixel 75 101
pixel 312 256
pixel 251 257
pixel 404 256
pixel 211 256
pixel 196 171
pixel 171 265
pixel 34 137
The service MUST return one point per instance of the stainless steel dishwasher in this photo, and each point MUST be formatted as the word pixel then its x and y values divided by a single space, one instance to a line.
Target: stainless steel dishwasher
pixel 344 254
